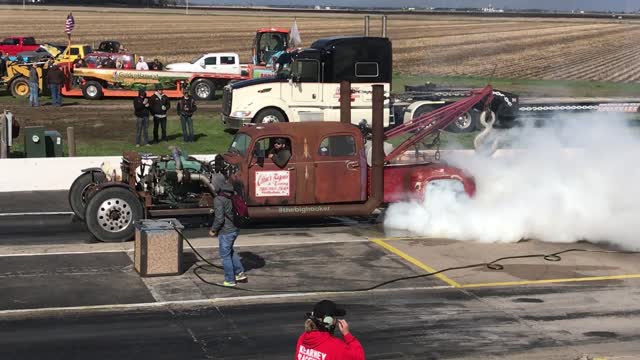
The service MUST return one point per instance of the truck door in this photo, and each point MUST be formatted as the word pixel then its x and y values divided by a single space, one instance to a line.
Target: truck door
pixel 229 65
pixel 210 64
pixel 305 87
pixel 340 170
pixel 270 184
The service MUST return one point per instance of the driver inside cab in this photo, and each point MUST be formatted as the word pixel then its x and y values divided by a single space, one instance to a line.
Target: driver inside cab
pixel 280 153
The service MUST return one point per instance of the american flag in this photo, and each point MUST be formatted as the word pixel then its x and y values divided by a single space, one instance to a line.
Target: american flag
pixel 69 24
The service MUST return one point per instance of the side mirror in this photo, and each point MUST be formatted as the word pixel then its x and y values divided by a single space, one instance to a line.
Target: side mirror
pixel 202 64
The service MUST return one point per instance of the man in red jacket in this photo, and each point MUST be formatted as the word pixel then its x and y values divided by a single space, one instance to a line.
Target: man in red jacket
pixel 317 341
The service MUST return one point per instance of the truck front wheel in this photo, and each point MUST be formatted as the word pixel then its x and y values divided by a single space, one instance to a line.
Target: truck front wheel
pixel 80 190
pixel 111 214
pixel 92 90
pixel 20 87
pixel 269 116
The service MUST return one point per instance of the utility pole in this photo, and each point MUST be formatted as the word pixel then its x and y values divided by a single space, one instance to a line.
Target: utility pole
pixel 24 6
pixel 187 7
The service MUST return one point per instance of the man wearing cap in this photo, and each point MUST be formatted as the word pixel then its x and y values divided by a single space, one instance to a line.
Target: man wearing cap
pixel 159 105
pixel 227 233
pixel 318 343
pixel 280 154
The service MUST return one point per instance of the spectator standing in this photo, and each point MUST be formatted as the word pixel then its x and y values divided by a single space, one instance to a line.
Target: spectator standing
pixel 3 64
pixel 141 64
pixel 141 111
pixel 55 78
pixel 186 107
pixel 226 231
pixel 34 87
pixel 159 105
pixel 156 65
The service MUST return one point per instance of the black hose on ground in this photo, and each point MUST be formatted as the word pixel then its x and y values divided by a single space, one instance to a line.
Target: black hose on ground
pixel 493 265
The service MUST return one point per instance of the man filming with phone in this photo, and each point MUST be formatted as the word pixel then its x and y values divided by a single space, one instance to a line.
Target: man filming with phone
pixel 318 343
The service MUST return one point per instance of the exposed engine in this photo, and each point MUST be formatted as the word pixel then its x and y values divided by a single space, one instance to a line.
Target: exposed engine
pixel 181 181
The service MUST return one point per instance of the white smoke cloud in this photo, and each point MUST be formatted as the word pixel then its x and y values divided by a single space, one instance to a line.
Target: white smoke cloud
pixel 576 180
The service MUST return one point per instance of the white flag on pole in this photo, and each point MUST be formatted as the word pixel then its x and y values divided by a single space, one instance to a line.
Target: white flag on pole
pixel 295 35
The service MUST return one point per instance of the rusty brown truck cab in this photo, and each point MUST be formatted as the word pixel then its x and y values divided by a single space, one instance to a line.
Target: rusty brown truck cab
pixel 328 173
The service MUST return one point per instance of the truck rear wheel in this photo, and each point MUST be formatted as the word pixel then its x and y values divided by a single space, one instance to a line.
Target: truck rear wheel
pixel 203 89
pixel 92 90
pixel 20 87
pixel 269 116
pixel 111 214
pixel 466 123
pixel 80 190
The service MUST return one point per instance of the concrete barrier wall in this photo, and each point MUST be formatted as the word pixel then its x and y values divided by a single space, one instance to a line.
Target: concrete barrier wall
pixel 58 173
pixel 35 174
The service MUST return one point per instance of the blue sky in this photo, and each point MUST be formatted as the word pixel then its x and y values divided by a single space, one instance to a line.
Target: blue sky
pixel 614 5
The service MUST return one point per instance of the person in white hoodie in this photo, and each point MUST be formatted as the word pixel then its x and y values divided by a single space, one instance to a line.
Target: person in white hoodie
pixel 142 65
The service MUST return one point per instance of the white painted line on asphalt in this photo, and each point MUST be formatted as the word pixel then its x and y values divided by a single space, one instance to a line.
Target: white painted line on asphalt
pixel 186 247
pixel 217 301
pixel 45 213
pixel 65 253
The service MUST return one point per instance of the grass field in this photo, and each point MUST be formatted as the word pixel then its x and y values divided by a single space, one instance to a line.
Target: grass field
pixel 514 48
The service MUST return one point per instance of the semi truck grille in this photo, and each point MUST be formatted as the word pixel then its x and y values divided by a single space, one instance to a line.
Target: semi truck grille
pixel 226 101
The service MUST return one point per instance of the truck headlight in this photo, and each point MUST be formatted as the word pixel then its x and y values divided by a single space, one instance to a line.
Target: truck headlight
pixel 240 114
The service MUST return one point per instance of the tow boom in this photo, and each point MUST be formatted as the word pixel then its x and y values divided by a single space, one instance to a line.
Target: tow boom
pixel 428 123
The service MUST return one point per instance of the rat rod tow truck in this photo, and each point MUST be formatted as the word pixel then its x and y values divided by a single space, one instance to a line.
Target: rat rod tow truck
pixel 328 174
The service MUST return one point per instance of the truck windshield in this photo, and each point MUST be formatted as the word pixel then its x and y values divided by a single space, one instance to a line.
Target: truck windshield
pixel 240 144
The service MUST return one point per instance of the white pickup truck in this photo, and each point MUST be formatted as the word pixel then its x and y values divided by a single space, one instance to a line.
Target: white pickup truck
pixel 219 63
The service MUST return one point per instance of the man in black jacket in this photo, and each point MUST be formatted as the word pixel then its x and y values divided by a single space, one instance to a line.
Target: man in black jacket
pixel 55 78
pixel 186 107
pixel 141 111
pixel 159 105
pixel 227 232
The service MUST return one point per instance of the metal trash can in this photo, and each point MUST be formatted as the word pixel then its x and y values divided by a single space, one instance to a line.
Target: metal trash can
pixel 158 247
pixel 53 144
pixel 34 142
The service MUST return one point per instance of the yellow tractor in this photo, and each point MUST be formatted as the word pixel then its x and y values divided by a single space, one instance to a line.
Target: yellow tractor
pixel 16 79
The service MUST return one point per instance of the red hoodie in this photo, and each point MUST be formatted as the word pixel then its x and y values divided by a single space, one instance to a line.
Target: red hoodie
pixel 320 345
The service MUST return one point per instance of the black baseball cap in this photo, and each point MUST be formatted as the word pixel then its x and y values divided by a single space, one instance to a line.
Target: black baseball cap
pixel 327 308
pixel 280 141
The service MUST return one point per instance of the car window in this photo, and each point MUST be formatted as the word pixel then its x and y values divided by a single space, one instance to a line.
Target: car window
pixel 87 49
pixel 10 41
pixel 210 61
pixel 28 41
pixel 337 145
pixel 227 60
pixel 267 143
pixel 240 144
pixel 74 51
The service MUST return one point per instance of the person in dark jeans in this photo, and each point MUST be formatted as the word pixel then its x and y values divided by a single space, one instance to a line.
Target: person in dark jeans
pixel 141 111
pixel 55 78
pixel 159 105
pixel 186 107
pixel 34 87
pixel 227 232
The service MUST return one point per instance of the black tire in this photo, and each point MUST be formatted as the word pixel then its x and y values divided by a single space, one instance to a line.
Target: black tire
pixel 119 208
pixel 269 116
pixel 467 123
pixel 20 87
pixel 78 192
pixel 92 90
pixel 203 89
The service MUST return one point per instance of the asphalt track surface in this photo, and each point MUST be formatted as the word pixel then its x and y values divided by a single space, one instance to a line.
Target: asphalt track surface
pixel 92 304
